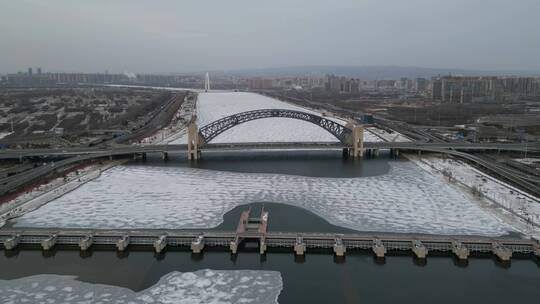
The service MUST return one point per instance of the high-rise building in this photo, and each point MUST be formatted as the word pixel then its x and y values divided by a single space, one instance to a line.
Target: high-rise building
pixel 29 71
pixel 436 88
pixel 39 71
pixel 420 84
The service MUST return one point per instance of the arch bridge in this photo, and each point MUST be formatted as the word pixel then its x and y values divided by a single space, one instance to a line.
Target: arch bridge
pixel 349 135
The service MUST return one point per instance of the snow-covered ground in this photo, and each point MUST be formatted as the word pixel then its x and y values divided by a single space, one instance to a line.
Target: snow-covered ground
pixel 4 134
pixel 213 106
pixel 53 189
pixel 382 135
pixel 528 161
pixel 407 199
pixel 203 286
pixel 177 128
pixel 510 204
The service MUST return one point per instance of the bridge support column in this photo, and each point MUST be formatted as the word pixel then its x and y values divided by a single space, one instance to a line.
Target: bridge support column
pixel 122 243
pixel 358 141
pixel 459 250
pixel 299 246
pixel 86 242
pixel 378 248
pixel 48 243
pixel 193 142
pixel 502 252
pixel 262 245
pixel 345 153
pixel 537 250
pixel 165 156
pixel 12 242
pixel 339 247
pixel 160 243
pixel 419 249
pixel 233 246
pixel 197 245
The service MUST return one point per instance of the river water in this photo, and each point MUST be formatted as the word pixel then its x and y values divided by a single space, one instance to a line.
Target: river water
pixel 317 278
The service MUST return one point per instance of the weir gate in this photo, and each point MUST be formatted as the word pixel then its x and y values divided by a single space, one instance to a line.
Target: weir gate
pixel 254 229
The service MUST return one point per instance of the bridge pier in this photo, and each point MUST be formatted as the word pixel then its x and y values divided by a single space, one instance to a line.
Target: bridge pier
pixel 86 242
pixel 419 249
pixel 197 245
pixel 339 247
pixel 299 246
pixel 193 142
pixel 122 243
pixel 358 141
pixel 394 152
pixel 346 152
pixel 459 250
pixel 378 248
pixel 233 246
pixel 262 245
pixel 160 243
pixel 502 252
pixel 12 242
pixel 537 250
pixel 48 243
pixel 165 156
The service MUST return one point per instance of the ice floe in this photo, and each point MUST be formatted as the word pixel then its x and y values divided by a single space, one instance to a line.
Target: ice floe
pixel 203 286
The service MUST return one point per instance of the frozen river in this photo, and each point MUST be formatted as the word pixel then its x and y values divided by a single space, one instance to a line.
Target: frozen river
pixel 407 199
pixel 213 106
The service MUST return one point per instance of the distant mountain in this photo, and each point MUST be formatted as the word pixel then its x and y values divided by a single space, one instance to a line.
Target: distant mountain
pixel 366 72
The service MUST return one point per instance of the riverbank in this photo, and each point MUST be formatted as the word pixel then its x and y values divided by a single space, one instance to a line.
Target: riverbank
pixel 511 205
pixel 51 190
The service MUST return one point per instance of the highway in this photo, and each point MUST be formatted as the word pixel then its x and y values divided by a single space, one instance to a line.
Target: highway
pixel 76 155
pixel 181 148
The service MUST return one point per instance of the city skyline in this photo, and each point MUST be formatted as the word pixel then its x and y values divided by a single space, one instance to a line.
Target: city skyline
pixel 140 36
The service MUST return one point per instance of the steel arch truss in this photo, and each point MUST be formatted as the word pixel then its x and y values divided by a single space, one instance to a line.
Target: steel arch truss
pixel 210 131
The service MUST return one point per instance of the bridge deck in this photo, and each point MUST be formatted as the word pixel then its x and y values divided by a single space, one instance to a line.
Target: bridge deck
pixel 182 148
pixel 272 239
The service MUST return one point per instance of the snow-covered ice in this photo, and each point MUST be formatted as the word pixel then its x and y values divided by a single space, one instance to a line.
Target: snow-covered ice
pixel 213 106
pixel 407 199
pixel 203 286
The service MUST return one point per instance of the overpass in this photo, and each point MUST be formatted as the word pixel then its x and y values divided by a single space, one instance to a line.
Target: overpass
pixel 126 150
pixel 76 155
pixel 349 138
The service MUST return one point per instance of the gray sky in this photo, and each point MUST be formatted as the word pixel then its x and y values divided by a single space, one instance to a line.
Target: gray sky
pixel 188 35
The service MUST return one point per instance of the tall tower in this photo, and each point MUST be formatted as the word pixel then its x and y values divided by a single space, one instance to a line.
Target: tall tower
pixel 207 82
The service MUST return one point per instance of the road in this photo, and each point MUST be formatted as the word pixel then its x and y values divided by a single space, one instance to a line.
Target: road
pixel 181 148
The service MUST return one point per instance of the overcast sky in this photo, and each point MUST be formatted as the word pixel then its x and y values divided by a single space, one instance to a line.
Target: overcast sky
pixel 188 35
